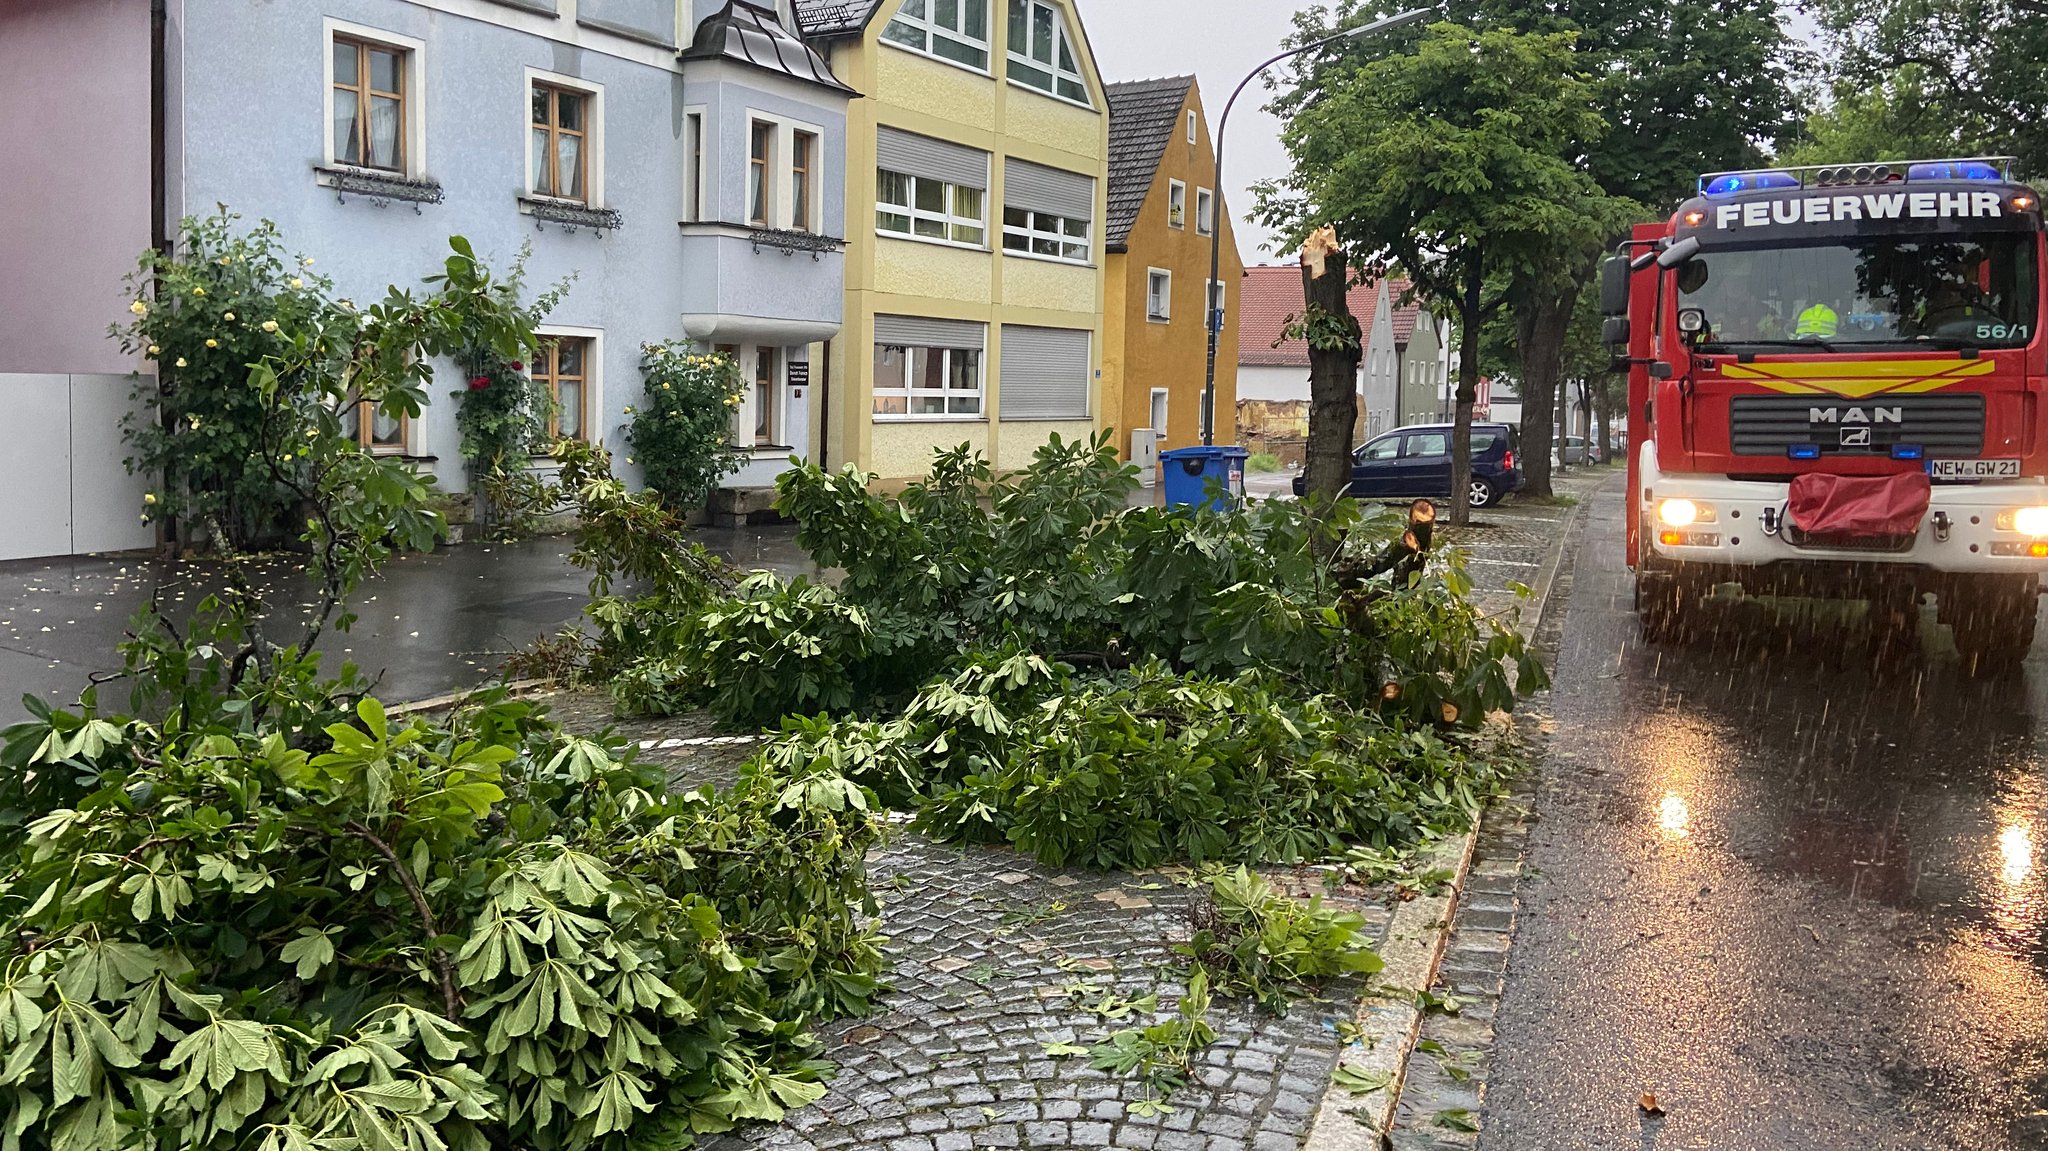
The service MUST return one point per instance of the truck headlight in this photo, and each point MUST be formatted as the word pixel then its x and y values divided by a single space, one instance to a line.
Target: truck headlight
pixel 2026 521
pixel 1685 513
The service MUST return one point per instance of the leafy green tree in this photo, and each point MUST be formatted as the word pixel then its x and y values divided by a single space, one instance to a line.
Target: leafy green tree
pixel 1949 76
pixel 1895 119
pixel 1454 163
pixel 1684 88
pixel 264 378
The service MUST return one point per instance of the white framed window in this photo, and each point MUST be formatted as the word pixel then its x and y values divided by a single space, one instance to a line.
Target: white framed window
pixel 1044 234
pixel 764 413
pixel 694 142
pixel 1205 211
pixel 1176 204
pixel 1161 398
pixel 785 165
pixel 1219 303
pixel 1042 51
pixel 923 208
pixel 375 105
pixel 761 198
pixel 955 31
pixel 804 158
pixel 570 368
pixel 565 138
pixel 1191 125
pixel 1158 295
pixel 927 381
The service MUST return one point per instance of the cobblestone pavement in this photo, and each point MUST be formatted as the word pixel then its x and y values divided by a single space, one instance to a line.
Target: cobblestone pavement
pixel 1442 1097
pixel 992 956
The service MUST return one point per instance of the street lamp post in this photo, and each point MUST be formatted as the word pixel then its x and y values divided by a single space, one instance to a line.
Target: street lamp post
pixel 1215 313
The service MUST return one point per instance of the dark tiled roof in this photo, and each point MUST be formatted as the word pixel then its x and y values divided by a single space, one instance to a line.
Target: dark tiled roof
pixel 753 35
pixel 1270 297
pixel 1405 316
pixel 1143 116
pixel 835 17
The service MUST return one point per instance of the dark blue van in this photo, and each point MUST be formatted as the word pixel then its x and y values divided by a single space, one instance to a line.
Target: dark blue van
pixel 1410 462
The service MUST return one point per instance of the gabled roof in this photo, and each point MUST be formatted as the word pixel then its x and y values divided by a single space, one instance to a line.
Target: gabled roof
pixel 755 36
pixel 1270 297
pixel 1405 316
pixel 835 17
pixel 1143 116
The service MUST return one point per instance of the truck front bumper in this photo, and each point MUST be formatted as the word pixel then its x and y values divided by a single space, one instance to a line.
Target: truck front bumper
pixel 1748 530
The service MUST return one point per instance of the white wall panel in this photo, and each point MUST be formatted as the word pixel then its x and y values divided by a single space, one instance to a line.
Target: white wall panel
pixel 35 466
pixel 106 502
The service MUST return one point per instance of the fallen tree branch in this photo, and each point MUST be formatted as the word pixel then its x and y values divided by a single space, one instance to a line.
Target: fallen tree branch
pixel 449 996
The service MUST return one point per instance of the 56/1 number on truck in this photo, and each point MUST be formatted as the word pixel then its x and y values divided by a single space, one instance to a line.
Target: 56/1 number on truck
pixel 1973 469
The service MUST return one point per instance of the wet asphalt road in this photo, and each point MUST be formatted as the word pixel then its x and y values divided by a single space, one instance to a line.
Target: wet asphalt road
pixel 427 623
pixel 1799 898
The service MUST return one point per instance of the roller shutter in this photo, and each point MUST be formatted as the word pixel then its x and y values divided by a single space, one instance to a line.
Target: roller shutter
pixel 1045 373
pixel 925 332
pixel 914 155
pixel 1037 188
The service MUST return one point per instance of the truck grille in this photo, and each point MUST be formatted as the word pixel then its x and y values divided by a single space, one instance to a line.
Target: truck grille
pixel 1939 425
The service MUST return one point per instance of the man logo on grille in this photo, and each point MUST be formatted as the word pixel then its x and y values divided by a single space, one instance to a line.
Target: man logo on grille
pixel 1855 437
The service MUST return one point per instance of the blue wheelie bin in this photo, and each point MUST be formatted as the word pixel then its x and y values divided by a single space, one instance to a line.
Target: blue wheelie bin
pixel 1189 472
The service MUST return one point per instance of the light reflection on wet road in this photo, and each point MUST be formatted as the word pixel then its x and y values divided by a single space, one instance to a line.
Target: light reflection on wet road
pixel 1803 900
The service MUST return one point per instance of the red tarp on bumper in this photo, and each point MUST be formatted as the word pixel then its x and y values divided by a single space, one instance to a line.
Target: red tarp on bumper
pixel 1824 505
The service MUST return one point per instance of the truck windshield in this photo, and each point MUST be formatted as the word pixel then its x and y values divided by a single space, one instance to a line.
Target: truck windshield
pixel 1955 291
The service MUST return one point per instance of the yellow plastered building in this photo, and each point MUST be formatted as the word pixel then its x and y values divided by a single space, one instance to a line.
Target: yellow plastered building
pixel 1164 204
pixel 977 182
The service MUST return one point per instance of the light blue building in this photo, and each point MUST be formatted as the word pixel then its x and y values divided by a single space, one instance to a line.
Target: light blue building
pixel 682 160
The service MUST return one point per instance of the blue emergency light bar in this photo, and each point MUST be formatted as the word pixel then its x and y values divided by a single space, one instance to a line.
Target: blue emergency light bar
pixel 1804 451
pixel 1991 168
pixel 1954 170
pixel 1908 452
pixel 1730 183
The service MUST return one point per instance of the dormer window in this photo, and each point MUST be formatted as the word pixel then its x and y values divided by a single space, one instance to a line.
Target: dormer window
pixel 955 30
pixel 1041 51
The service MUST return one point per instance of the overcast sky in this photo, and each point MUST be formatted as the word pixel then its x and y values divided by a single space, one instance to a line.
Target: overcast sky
pixel 1219 41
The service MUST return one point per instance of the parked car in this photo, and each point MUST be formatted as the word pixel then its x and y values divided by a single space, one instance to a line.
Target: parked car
pixel 1575 450
pixel 1416 461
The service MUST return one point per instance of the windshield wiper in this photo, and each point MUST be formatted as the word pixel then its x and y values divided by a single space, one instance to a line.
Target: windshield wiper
pixel 1723 347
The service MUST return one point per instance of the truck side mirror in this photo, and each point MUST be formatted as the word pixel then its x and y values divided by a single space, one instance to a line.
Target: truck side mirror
pixel 1614 274
pixel 1679 253
pixel 1614 332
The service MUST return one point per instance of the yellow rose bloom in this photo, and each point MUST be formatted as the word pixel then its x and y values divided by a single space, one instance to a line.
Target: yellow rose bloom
pixel 150 498
pixel 228 316
pixel 199 291
pixel 308 261
pixel 213 343
pixel 154 350
pixel 181 361
pixel 270 325
pixel 139 308
pixel 298 283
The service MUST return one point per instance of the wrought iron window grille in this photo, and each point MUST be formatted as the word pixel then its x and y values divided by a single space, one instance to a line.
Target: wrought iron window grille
pixel 570 217
pixel 790 241
pixel 380 188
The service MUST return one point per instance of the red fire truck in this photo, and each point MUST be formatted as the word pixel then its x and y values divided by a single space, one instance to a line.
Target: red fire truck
pixel 1836 388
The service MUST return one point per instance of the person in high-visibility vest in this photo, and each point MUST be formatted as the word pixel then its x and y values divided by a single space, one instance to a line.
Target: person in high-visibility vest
pixel 1819 322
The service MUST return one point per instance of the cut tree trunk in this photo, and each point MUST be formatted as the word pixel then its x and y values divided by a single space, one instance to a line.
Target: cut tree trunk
pixel 1334 351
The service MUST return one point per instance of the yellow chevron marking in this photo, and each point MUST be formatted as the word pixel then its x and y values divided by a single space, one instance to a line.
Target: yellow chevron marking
pixel 1859 379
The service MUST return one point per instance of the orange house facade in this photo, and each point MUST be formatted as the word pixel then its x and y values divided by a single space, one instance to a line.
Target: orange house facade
pixel 1164 205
